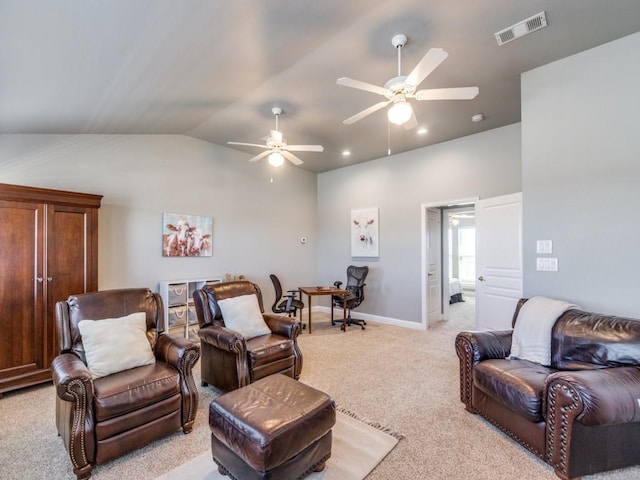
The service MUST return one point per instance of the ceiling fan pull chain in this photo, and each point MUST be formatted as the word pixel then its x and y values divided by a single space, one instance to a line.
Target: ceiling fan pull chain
pixel 388 138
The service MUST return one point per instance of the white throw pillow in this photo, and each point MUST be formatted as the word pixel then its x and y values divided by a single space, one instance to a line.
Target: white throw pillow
pixel 242 314
pixel 116 344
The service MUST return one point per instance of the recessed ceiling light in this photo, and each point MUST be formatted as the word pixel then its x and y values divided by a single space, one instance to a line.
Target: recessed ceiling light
pixel 422 131
pixel 346 153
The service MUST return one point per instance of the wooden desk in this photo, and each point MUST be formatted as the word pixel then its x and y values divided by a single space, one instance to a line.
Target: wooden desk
pixel 314 291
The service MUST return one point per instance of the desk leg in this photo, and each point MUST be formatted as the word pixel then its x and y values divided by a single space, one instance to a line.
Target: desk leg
pixel 344 312
pixel 309 303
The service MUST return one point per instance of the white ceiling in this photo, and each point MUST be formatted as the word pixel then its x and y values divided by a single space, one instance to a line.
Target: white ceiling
pixel 213 69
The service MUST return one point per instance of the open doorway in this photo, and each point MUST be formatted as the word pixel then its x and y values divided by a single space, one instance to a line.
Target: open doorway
pixel 448 239
pixel 459 254
pixel 497 266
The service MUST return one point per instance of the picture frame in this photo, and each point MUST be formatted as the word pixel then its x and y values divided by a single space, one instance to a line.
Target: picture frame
pixel 186 235
pixel 365 232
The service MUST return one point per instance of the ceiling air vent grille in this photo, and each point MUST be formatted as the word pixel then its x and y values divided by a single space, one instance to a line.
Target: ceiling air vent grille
pixel 522 28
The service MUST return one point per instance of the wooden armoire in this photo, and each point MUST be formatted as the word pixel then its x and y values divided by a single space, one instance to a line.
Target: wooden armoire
pixel 48 250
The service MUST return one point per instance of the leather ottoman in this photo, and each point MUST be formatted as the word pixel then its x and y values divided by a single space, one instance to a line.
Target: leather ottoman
pixel 275 428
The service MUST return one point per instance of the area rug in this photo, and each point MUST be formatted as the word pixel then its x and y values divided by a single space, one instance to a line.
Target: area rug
pixel 356 450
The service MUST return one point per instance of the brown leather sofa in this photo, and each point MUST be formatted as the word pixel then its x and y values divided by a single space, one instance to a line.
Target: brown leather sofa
pixel 581 415
pixel 230 361
pixel 103 418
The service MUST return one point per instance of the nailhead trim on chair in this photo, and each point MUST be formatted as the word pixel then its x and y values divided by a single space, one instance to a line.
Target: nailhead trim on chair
pixel 80 403
pixel 514 437
pixel 465 351
pixel 567 411
pixel 188 361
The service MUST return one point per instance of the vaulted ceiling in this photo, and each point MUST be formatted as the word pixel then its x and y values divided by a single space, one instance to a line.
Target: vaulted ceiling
pixel 214 69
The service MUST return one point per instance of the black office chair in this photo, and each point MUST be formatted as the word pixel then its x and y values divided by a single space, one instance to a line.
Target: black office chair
pixel 355 286
pixel 289 303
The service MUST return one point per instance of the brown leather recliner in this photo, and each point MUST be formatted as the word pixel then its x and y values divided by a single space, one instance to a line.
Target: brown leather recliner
pixel 581 414
pixel 230 361
pixel 103 418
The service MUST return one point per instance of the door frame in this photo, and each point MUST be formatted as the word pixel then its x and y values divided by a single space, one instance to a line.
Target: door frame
pixel 424 253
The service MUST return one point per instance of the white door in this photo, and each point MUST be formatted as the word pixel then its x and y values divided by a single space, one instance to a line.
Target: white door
pixel 498 260
pixel 434 268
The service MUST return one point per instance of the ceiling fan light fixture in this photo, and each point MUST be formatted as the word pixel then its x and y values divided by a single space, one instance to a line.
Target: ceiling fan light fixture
pixel 399 113
pixel 276 159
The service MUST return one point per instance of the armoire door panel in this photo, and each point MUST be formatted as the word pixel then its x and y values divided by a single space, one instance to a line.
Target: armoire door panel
pixel 68 231
pixel 21 318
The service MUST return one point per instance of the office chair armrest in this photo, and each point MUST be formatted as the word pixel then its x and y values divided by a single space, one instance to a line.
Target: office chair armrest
pixel 337 284
pixel 285 326
pixel 294 292
pixel 223 338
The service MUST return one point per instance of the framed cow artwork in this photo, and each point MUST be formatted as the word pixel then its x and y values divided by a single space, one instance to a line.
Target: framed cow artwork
pixel 186 235
pixel 364 233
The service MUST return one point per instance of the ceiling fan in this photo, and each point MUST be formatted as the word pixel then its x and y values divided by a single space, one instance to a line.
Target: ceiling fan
pixel 277 148
pixel 403 87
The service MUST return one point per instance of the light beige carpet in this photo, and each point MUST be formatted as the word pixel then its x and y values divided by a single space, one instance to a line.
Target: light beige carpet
pixel 356 450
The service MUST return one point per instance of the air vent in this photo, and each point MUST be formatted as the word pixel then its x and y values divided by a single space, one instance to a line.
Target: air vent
pixel 522 28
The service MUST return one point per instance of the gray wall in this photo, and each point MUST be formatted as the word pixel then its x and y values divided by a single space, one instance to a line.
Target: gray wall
pixel 257 224
pixel 482 165
pixel 581 177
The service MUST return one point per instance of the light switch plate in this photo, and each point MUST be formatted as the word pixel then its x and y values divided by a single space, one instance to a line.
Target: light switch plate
pixel 544 264
pixel 544 246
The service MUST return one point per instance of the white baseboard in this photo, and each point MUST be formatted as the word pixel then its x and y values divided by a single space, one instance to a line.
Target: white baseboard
pixel 367 317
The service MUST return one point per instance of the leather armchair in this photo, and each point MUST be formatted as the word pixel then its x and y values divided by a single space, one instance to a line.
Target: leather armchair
pixel 103 418
pixel 229 361
pixel 580 414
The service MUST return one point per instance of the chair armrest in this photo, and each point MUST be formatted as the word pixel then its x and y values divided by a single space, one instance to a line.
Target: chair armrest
pixel 72 378
pixel 484 345
pixel 337 284
pixel 177 351
pixel 285 326
pixel 182 354
pixel 75 422
pixel 223 339
pixel 472 348
pixel 605 396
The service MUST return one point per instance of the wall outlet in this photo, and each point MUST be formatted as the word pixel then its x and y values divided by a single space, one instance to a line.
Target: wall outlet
pixel 546 264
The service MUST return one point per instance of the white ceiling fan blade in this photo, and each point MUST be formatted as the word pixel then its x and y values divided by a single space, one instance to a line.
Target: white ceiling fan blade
pixel 412 122
pixel 248 144
pixel 367 87
pixel 365 112
pixel 276 137
pixel 428 64
pixel 305 148
pixel 460 93
pixel 259 156
pixel 291 157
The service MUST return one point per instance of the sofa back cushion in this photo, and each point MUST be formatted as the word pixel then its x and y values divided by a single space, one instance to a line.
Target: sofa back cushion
pixel 589 340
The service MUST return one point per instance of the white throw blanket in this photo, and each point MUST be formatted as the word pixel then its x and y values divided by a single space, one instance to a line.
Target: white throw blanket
pixel 531 339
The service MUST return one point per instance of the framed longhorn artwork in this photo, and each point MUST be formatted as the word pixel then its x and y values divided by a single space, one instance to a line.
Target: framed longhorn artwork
pixel 364 233
pixel 186 235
